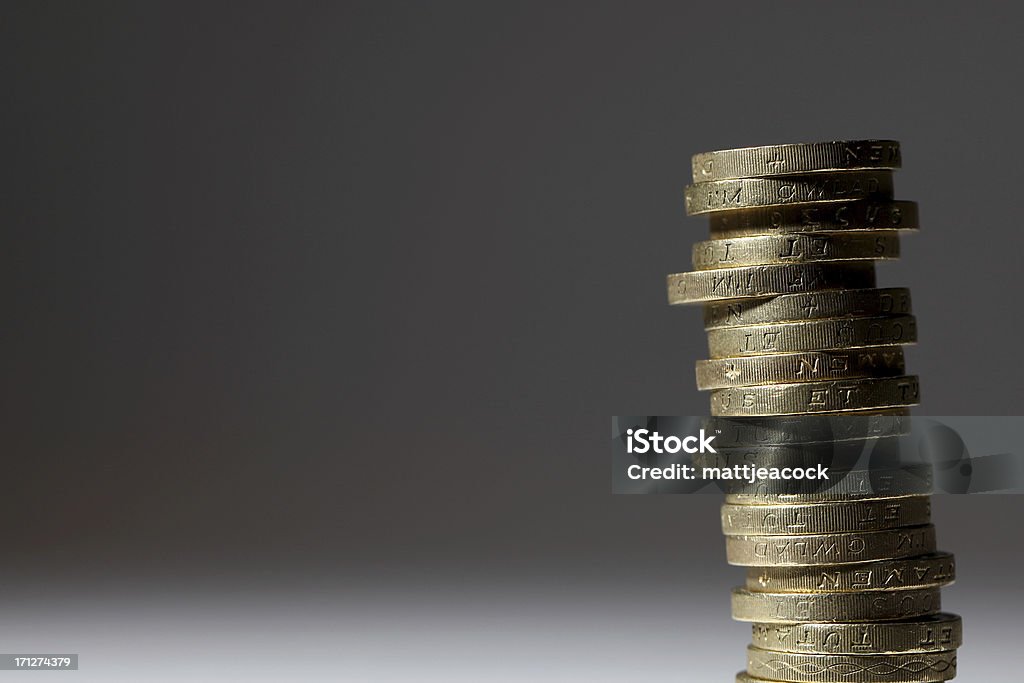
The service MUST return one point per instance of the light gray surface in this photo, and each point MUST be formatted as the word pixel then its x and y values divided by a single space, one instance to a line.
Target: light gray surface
pixel 286 285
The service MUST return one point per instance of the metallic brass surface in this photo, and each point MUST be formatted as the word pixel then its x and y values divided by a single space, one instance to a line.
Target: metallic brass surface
pixel 849 216
pixel 792 430
pixel 812 335
pixel 795 248
pixel 810 366
pixel 810 157
pixel 858 485
pixel 833 303
pixel 940 633
pixel 729 195
pixel 829 549
pixel 841 457
pixel 797 608
pixel 762 281
pixel 915 667
pixel 817 397
pixel 926 571
pixel 820 518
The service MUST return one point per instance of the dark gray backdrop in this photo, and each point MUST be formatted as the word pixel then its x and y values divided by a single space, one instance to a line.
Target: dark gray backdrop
pixel 317 314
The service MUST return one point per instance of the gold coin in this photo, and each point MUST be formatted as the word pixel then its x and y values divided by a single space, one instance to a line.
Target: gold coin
pixel 729 195
pixel 940 633
pixel 927 571
pixel 835 303
pixel 817 397
pixel 850 216
pixel 748 432
pixel 915 667
pixel 794 248
pixel 797 608
pixel 762 281
pixel 810 157
pixel 811 335
pixel 814 518
pixel 872 361
pixel 875 483
pixel 829 549
pixel 841 457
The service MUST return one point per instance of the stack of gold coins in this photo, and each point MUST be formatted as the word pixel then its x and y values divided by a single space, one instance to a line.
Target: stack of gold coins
pixel 843 579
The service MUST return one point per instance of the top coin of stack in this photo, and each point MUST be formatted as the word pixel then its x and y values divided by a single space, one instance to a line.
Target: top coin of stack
pixel 795 323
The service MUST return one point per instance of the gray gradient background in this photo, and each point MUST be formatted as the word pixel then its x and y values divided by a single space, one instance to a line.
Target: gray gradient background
pixel 317 314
